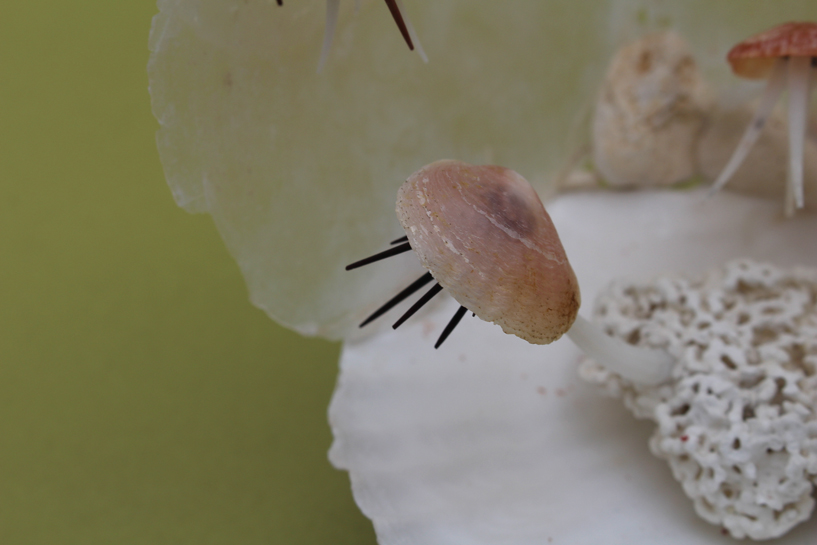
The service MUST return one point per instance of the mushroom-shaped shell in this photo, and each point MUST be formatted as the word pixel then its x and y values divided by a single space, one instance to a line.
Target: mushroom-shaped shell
pixel 484 235
pixel 754 57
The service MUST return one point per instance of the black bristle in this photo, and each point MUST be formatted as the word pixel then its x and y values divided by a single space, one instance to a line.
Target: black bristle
pixel 451 325
pixel 416 285
pixel 398 18
pixel 398 241
pixel 280 2
pixel 435 289
pixel 382 255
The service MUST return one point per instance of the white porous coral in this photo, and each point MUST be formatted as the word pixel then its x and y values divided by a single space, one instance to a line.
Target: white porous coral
pixel 737 421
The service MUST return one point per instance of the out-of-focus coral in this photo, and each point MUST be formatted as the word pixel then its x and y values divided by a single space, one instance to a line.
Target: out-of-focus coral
pixel 649 113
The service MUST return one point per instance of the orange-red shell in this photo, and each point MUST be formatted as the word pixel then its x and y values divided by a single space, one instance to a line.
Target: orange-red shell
pixel 485 236
pixel 754 57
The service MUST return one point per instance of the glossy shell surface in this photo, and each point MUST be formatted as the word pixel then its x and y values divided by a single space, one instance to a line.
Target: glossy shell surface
pixel 753 58
pixel 485 236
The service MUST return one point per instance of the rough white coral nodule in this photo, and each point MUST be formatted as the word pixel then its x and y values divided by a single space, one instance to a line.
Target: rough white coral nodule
pixel 737 422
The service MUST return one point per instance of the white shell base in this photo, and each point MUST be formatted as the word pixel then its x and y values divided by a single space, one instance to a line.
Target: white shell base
pixel 490 440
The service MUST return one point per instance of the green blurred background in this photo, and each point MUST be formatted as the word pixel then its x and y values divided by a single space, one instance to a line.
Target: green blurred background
pixel 142 398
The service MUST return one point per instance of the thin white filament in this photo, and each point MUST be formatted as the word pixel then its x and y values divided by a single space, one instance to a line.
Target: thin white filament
pixel 799 72
pixel 332 7
pixel 412 34
pixel 774 87
pixel 642 365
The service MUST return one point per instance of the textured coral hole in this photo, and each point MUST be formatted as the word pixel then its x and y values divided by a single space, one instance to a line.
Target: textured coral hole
pixel 789 507
pixel 779 397
pixel 728 362
pixel 797 359
pixel 744 287
pixel 750 382
pixel 680 411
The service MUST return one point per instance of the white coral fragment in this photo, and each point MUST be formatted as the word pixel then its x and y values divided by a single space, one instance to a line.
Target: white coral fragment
pixel 737 423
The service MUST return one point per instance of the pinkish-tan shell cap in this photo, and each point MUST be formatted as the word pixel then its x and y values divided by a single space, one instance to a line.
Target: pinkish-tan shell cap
pixel 754 57
pixel 484 235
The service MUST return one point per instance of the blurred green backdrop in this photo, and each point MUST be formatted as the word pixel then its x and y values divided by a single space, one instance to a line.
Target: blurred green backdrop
pixel 142 398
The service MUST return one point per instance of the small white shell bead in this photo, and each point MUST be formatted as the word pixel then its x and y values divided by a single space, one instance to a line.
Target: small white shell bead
pixel 484 235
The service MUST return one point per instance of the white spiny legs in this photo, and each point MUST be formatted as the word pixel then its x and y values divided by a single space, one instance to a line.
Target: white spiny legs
pixel 771 94
pixel 794 73
pixel 799 73
pixel 332 7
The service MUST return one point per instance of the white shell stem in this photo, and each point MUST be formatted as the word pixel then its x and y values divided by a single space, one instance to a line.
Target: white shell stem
pixel 799 72
pixel 774 87
pixel 642 365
